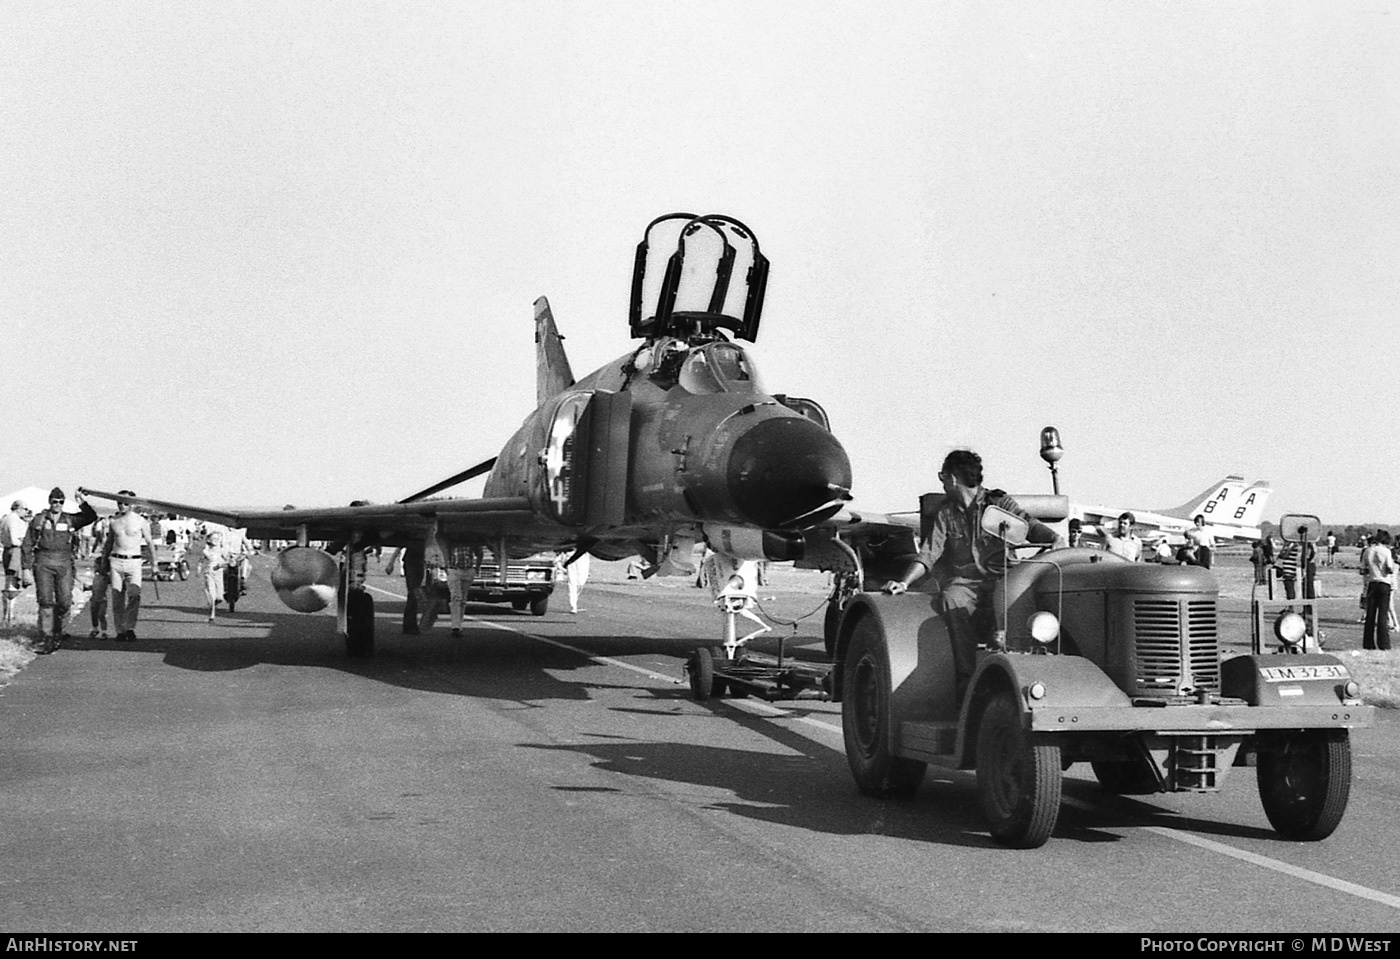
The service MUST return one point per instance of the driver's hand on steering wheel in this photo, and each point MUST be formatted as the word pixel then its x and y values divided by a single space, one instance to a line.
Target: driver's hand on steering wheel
pixel 894 587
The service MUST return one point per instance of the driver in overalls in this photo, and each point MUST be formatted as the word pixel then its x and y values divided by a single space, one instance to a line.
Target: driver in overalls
pixel 973 560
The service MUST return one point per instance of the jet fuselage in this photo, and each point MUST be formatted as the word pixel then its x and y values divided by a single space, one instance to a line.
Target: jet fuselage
pixel 704 445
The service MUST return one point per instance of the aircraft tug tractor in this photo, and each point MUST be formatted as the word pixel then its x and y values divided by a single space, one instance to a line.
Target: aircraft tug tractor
pixel 1108 662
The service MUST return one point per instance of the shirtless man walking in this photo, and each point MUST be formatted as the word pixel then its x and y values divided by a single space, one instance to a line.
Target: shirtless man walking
pixel 128 538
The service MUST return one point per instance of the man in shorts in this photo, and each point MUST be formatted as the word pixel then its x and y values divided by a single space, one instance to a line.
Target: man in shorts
pixel 128 541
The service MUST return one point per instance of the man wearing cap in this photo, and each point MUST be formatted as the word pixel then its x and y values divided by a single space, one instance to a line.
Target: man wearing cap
pixel 13 526
pixel 48 549
pixel 128 540
pixel 1122 541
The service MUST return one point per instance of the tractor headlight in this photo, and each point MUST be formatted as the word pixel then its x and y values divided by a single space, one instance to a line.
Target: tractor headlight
pixel 1044 627
pixel 1290 628
pixel 1352 689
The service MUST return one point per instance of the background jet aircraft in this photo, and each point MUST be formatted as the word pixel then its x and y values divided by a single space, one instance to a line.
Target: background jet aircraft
pixel 674 441
pixel 1233 510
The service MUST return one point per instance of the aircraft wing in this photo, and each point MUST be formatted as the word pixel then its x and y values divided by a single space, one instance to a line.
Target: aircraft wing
pixel 882 540
pixel 393 524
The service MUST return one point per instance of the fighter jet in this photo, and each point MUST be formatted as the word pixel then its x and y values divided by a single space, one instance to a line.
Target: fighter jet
pixel 1232 510
pixel 673 442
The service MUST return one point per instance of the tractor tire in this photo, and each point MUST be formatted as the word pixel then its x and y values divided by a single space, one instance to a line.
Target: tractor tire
pixel 866 720
pixel 1018 779
pixel 1305 782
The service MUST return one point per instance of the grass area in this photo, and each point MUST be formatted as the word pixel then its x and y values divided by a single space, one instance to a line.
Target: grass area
pixel 1339 588
pixel 1378 672
pixel 14 651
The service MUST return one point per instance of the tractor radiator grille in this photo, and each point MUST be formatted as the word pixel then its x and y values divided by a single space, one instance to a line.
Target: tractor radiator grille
pixel 1177 645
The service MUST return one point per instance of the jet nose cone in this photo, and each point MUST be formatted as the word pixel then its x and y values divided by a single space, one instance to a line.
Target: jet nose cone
pixel 788 471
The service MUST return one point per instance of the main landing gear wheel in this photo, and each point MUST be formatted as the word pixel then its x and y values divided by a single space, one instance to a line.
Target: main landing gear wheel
pixel 865 720
pixel 1305 782
pixel 703 682
pixel 233 586
pixel 359 624
pixel 183 570
pixel 1126 777
pixel 830 624
pixel 1018 779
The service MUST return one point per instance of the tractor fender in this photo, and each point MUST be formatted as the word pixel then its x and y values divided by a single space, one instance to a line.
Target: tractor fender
pixel 1307 679
pixel 1069 682
pixel 916 641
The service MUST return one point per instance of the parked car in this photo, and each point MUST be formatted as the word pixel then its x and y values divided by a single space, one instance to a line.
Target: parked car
pixel 529 583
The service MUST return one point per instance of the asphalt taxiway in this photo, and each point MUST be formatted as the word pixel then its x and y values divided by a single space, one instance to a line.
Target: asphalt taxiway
pixel 553 773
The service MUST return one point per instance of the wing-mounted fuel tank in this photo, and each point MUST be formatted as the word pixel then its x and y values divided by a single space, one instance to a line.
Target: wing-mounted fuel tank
pixel 305 578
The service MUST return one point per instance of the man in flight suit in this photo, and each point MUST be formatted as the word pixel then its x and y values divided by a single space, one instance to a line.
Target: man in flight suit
pixel 48 549
pixel 973 560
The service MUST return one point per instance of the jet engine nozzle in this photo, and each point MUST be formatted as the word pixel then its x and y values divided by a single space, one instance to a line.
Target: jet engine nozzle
pixel 305 578
pixel 788 472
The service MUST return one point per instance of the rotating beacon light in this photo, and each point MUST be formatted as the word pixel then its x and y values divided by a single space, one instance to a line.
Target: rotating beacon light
pixel 1051 451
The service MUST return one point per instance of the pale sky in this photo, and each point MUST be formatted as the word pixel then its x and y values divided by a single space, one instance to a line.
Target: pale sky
pixel 262 253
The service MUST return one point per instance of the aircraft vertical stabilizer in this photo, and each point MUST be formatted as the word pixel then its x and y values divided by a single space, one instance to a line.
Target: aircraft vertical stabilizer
pixel 552 373
pixel 1200 503
pixel 1247 508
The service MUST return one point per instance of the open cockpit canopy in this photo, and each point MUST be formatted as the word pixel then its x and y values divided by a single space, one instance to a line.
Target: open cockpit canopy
pixel 713 278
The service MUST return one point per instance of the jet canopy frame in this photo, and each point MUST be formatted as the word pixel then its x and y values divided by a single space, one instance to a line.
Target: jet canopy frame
pixel 695 297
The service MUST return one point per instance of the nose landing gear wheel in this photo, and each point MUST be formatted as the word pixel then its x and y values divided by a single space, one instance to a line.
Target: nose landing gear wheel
pixel 703 682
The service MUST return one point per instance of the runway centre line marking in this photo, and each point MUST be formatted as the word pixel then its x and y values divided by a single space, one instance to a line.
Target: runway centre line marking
pixel 769 711
pixel 1297 872
pixel 554 642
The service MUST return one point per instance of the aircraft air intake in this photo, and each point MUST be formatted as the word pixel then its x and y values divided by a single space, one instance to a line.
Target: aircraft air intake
pixel 788 472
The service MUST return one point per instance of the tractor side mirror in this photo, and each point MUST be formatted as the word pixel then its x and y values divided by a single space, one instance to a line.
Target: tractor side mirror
pixel 1005 526
pixel 1300 527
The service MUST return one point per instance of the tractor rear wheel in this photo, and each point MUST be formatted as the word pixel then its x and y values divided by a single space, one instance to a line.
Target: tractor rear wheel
pixel 866 721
